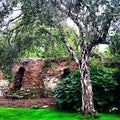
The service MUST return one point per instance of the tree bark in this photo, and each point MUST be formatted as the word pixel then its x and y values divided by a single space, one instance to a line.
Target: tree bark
pixel 87 94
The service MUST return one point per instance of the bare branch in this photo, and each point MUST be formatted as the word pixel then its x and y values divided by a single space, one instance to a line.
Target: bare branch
pixel 65 9
pixel 70 49
pixel 12 20
pixel 102 38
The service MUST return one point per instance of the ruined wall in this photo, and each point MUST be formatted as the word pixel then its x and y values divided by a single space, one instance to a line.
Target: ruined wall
pixel 1 75
pixel 44 73
pixel 33 73
pixel 40 76
pixel 57 71
pixel 3 84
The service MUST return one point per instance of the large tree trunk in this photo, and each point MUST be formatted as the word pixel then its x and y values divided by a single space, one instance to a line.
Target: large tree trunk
pixel 87 94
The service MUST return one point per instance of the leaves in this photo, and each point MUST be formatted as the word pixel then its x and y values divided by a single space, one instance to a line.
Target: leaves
pixel 114 45
pixel 68 91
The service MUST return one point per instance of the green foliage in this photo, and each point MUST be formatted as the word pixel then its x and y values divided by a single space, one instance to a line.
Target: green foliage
pixel 35 107
pixel 94 63
pixel 7 55
pixel 30 41
pixel 114 44
pixel 72 37
pixel 117 94
pixel 68 91
pixel 103 87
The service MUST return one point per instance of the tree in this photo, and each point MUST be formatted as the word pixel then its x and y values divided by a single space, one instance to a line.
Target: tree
pixel 93 19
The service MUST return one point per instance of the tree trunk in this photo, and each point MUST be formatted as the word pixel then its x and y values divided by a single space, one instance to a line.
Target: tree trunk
pixel 87 94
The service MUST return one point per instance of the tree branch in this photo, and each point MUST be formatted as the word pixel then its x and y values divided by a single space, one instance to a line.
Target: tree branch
pixel 102 38
pixel 70 49
pixel 12 20
pixel 64 8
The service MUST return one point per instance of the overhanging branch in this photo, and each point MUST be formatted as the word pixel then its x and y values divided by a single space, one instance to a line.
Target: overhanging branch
pixel 71 51
pixel 102 38
pixel 11 20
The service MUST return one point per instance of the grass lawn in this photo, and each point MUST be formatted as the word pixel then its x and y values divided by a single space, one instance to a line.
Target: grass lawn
pixel 46 114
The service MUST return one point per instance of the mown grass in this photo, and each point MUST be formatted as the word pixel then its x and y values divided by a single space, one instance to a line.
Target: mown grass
pixel 47 114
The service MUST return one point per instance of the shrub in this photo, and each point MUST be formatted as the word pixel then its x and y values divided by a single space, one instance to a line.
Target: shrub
pixel 117 90
pixel 104 86
pixel 68 91
pixel 34 107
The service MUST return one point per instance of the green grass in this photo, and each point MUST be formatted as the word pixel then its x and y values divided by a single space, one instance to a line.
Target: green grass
pixel 46 114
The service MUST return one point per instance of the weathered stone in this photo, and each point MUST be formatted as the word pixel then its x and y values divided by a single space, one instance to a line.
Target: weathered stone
pixel 1 75
pixel 25 93
pixel 32 74
pixel 19 78
pixel 3 86
pixel 73 66
pixel 41 74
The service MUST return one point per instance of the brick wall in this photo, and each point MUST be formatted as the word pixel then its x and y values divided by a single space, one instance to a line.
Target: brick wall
pixel 41 73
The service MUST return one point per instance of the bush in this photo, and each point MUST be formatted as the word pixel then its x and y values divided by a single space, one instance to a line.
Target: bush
pixel 68 91
pixel 117 90
pixel 104 86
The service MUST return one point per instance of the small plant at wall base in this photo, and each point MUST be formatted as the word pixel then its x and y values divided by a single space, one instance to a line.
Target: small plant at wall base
pixel 68 90
pixel 34 107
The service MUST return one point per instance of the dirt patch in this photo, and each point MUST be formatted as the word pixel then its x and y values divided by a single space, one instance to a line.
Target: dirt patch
pixel 28 103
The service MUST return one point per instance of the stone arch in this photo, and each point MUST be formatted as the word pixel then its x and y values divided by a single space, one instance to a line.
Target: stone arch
pixel 19 78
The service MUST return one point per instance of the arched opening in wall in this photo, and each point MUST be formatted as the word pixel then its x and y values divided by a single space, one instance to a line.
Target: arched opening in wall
pixel 19 78
pixel 66 72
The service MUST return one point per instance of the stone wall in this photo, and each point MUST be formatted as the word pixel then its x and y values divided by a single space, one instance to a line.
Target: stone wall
pixel 42 75
pixel 57 71
pixel 3 86
pixel 33 73
pixel 1 75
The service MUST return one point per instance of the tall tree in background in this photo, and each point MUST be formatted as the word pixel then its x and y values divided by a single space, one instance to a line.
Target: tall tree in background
pixel 93 18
